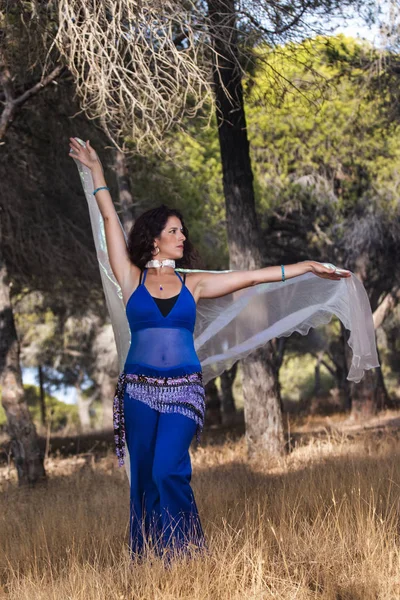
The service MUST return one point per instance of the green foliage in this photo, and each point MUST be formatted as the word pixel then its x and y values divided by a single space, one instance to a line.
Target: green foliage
pixel 191 181
pixel 324 147
pixel 320 119
pixel 325 152
pixel 199 153
pixel 297 378
pixel 58 413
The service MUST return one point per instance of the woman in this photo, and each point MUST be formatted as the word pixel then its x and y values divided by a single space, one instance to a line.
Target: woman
pixel 159 404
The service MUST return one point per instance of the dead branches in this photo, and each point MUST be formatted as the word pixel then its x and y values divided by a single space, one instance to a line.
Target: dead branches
pixel 12 101
pixel 139 66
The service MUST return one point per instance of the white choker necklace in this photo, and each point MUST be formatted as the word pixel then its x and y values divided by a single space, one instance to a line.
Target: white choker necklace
pixel 167 262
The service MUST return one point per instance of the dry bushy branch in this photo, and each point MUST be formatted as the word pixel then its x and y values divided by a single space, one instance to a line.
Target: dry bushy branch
pixel 139 66
pixel 144 66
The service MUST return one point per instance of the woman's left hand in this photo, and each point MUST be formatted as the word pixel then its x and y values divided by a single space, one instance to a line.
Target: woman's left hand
pixel 328 271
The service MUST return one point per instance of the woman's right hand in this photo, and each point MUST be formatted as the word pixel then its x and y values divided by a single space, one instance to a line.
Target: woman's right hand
pixel 85 154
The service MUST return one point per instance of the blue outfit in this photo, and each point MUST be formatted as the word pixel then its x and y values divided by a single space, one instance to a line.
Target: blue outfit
pixel 158 407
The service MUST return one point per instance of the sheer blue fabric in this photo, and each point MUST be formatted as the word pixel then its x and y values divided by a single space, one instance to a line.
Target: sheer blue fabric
pixel 161 346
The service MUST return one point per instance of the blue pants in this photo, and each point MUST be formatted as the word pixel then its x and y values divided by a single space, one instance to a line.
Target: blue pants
pixel 162 505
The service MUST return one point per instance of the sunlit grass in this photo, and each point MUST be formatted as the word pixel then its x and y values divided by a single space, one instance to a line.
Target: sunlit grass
pixel 322 523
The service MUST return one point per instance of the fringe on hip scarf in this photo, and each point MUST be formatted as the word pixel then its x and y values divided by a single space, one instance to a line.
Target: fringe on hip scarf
pixel 184 394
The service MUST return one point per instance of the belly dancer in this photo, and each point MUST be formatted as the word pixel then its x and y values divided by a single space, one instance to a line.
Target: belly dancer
pixel 159 401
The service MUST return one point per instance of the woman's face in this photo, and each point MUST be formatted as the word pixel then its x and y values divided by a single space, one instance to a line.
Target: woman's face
pixel 171 240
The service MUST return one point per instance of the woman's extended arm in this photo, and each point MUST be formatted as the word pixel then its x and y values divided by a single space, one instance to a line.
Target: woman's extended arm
pixel 214 285
pixel 124 270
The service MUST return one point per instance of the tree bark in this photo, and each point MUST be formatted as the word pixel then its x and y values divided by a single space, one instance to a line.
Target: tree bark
pixel 124 191
pixel 25 449
pixel 213 404
pixel 386 307
pixel 83 409
pixel 228 408
pixel 262 406
pixel 42 396
pixel 107 390
pixel 13 102
pixel 83 405
pixel 317 375
pixel 343 366
pixel 24 441
pixel 363 397
pixel 370 394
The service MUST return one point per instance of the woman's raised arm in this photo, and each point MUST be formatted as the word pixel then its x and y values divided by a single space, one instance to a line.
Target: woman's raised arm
pixel 214 285
pixel 124 270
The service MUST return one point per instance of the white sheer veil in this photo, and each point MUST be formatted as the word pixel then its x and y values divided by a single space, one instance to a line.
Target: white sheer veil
pixel 230 328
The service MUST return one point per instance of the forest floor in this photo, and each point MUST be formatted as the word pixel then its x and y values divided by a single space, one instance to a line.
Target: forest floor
pixel 322 522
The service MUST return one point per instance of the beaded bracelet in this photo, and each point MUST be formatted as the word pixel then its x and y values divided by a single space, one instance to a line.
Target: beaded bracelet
pixel 283 273
pixel 104 187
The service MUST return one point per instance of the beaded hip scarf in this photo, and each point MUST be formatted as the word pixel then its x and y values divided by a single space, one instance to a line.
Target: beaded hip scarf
pixel 184 394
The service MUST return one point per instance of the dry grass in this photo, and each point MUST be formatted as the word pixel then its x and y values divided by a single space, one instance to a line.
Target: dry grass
pixel 323 523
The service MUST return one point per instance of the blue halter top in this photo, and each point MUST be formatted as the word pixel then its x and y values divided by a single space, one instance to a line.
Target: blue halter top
pixel 161 345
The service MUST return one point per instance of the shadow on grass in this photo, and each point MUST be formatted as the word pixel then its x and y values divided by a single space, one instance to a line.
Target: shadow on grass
pixel 99 443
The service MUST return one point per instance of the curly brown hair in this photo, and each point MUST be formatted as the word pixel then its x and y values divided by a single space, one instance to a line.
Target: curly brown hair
pixel 148 226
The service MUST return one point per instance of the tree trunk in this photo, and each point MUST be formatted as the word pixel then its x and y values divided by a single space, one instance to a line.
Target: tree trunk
pixel 42 396
pixel 364 395
pixel 369 396
pixel 213 404
pixel 124 191
pixel 317 375
pixel 228 408
pixel 13 103
pixel 24 440
pixel 107 390
pixel 342 369
pixel 262 404
pixel 83 405
pixel 83 410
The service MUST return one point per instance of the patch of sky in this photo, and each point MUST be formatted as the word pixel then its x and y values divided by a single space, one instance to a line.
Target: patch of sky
pixel 63 393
